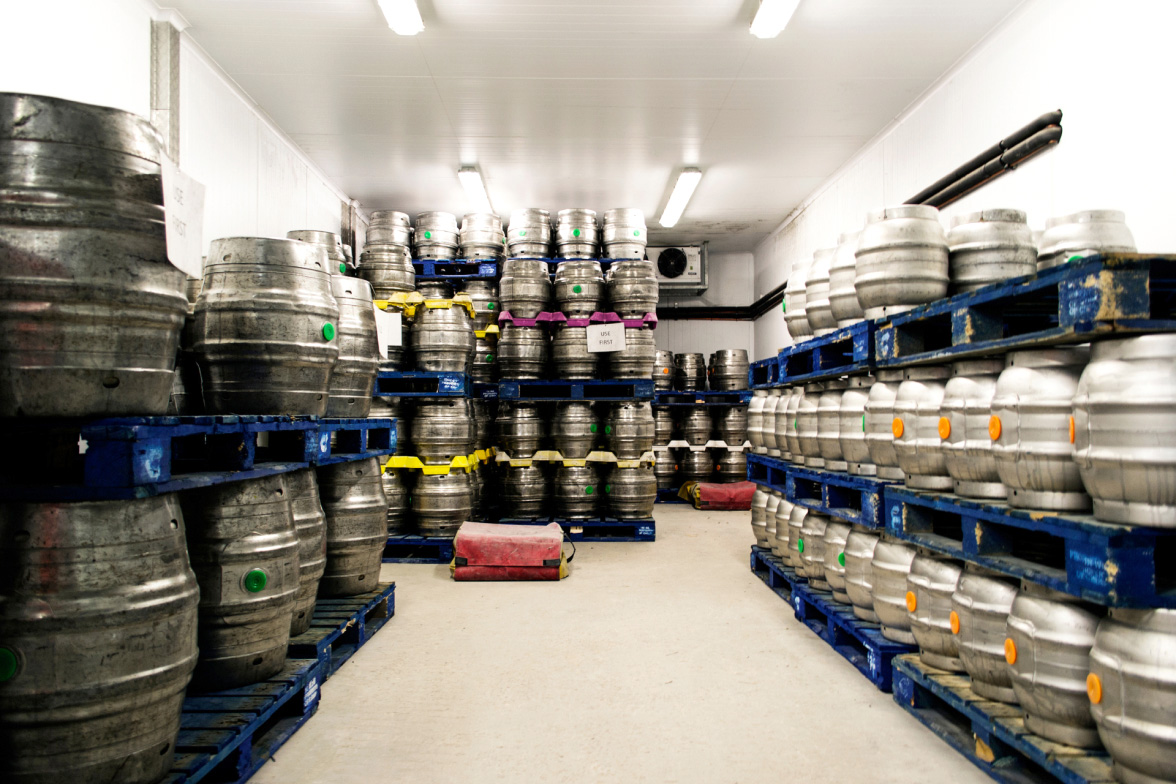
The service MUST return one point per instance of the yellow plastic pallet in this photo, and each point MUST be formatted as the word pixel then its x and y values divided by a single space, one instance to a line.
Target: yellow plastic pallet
pixel 411 301
pixel 553 456
pixel 465 462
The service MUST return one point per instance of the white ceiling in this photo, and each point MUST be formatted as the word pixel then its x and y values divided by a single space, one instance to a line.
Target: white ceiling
pixel 588 103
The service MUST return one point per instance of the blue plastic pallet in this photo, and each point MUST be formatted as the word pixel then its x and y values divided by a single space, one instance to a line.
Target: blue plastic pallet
pixel 422 383
pixel 665 397
pixel 1105 563
pixel 1099 296
pixel 484 391
pixel 638 389
pixel 669 495
pixel 772 472
pixel 991 735
pixel 226 736
pixel 138 457
pixel 340 627
pixel 764 373
pixel 857 499
pixel 842 352
pixel 455 269
pixel 774 573
pixel 603 530
pixel 408 548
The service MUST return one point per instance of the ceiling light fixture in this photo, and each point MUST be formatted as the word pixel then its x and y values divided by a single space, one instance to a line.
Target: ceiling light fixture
pixel 683 190
pixel 402 16
pixel 772 17
pixel 471 180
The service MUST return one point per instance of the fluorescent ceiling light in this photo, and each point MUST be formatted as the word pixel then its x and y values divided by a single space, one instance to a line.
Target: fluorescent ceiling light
pixel 402 15
pixel 772 17
pixel 475 189
pixel 683 190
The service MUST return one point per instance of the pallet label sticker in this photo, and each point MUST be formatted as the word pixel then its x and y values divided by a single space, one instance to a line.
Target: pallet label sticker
pixel 450 384
pixel 645 530
pixel 604 338
pixel 311 693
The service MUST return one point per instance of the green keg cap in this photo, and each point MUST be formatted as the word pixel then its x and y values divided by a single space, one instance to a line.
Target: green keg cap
pixel 342 267
pixel 328 331
pixel 608 430
pixel 255 580
pixel 489 357
pixel 588 489
pixel 800 545
pixel 592 428
pixel 796 425
pixel 783 306
pixel 575 232
pixel 841 558
pixel 637 233
pixel 8 664
pixel 522 232
pixel 608 489
pixel 428 235
pixel 489 306
pixel 863 423
pixel 576 289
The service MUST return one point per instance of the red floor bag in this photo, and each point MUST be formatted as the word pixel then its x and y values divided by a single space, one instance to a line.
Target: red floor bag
pixel 733 496
pixel 488 552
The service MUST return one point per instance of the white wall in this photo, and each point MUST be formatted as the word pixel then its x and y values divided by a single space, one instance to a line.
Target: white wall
pixel 730 284
pixel 1100 62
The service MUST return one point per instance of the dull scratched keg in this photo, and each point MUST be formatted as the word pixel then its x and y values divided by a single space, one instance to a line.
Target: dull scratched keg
pixel 888 575
pixel 696 426
pixel 630 492
pixel 759 511
pixel 788 425
pixel 836 534
pixel 663 370
pixel 636 359
pixel 436 235
pixel 829 424
pixel 632 288
pixel 485 366
pixel 917 436
pixel 442 429
pixel 92 309
pixel 310 526
pixel 773 403
pixel 665 469
pixel 481 236
pixel 963 426
pixel 756 421
pixel 354 375
pixel 1084 234
pixel 795 300
pixel 266 328
pixel 851 426
pixel 97 639
pixel 331 244
pixel 989 246
pixel 817 308
pixel 663 425
pixel 525 491
pixel 771 515
pixel 574 429
pixel 629 429
pixel 579 287
pixel 357 526
pixel 730 424
pixel 689 372
pixel 576 234
pixel 730 466
pixel 443 337
pixel 624 234
pixel 577 492
pixel 528 235
pixel 931 583
pixel 397 489
pixel 525 287
pixel 778 535
pixel 388 269
pixel 244 550
pixel 980 611
pixel 522 352
pixel 484 295
pixel 793 557
pixel 442 502
pixel 570 357
pixel 696 466
pixel 843 301
pixel 879 423
pixel 902 260
pixel 859 578
pixel 728 369
pixel 521 428
pixel 811 547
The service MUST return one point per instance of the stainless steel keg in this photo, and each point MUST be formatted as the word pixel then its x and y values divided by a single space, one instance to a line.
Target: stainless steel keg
pixel 436 235
pixel 728 369
pixel 443 338
pixel 696 466
pixel 525 287
pixel 521 428
pixel 730 466
pixel 484 294
pixel 577 492
pixel 696 425
pixel 525 490
pixel 931 583
pixel 902 260
pixel 859 576
pixel 818 310
pixel 689 372
pixel 663 370
pixel 630 492
pixel 829 425
pixel 730 423
pixel 442 502
pixel 980 611
pixel 354 375
pixel 575 429
pixel 989 246
pixel 310 526
pixel 888 574
pixel 843 301
pixel 529 233
pixel 836 534
pixel 579 287
pixel 576 234
pixel 632 288
pixel 917 440
pixel 629 429
pixel 636 359
pixel 880 423
pixel 1083 234
pixel 963 426
pixel 570 357
pixel 442 429
pixel 522 352
pixel 624 235
pixel 851 426
pixel 795 300
pixel 357 510
pixel 331 244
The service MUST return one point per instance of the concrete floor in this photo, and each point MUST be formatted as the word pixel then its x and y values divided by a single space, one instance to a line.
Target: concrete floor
pixel 654 662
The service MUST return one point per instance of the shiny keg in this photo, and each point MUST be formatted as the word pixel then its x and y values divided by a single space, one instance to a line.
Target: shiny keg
pixel 851 426
pixel 522 352
pixel 524 492
pixel 778 535
pixel 484 294
pixel 1047 648
pixel 528 234
pixel 389 270
pixel 1083 234
pixel 696 425
pixel 575 429
pixel 186 395
pixel 663 370
pixel 570 358
pixel 354 375
pixel 630 492
pixel 836 534
pixel 576 234
pixel 771 513
pixel 623 234
pixel 1132 688
pixel 389 228
pixel 807 422
pixel 97 639
pixel 902 260
pixel 730 466
pixel 768 434
pixel 485 365
pixel 265 328
pixel 443 338
pixel 636 359
pixel 817 308
pixel 829 425
pixel 442 429
pixel 980 610
pixel 930 584
pixel 730 424
pixel 521 428
pixel 436 235
pixel 663 425
pixel 357 511
pixel 481 236
pixel 484 431
pixel 1124 428
pixel 759 511
pixel 880 423
pixel 779 422
pixel 435 289
pixel 789 409
pixel 811 547
pixel 689 372
pixel 397 489
pixel 665 469
pixel 442 502
pixel 1031 431
pixel 859 575
pixel 310 526
pixel 917 440
pixel 795 526
pixel 989 246
pixel 729 368
pixel 843 301
pixel 696 466
pixel 756 420
pixel 577 493
pixel 579 287
pixel 525 287
pixel 629 429
pixel 244 551
pixel 632 288
pixel 888 574
pixel 331 244
pixel 795 316
pixel 963 426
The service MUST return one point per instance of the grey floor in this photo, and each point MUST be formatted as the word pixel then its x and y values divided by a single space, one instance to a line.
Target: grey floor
pixel 654 662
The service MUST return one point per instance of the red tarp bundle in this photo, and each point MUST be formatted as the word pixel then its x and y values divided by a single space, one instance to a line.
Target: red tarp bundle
pixel 487 552
pixel 735 496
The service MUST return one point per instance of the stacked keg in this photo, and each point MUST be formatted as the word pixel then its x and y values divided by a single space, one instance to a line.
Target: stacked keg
pixel 728 369
pixel 1082 234
pixel 481 236
pixel 666 467
pixel 442 429
pixel 632 291
pixel 624 235
pixel 442 333
pixel 386 261
pixel 484 296
pixel 902 260
pixel 528 235
pixel 689 372
pixel 663 370
pixel 435 236
pixel 577 235
pixel 331 244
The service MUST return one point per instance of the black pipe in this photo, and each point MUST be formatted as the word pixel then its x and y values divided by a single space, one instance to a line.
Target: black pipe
pixel 1035 144
pixel 725 312
pixel 1053 118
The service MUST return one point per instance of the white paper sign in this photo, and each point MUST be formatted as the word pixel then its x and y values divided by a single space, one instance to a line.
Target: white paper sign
pixel 606 337
pixel 183 201
pixel 388 330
